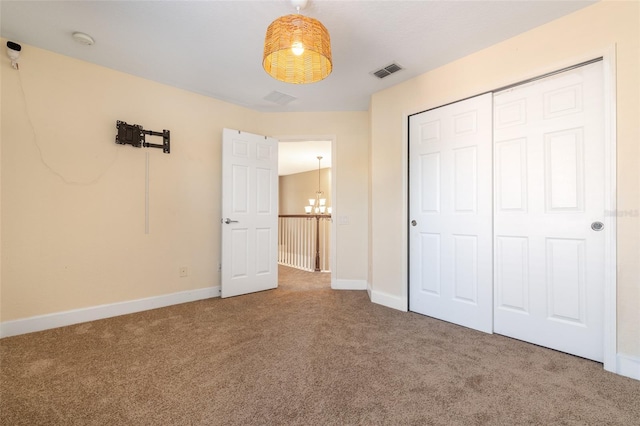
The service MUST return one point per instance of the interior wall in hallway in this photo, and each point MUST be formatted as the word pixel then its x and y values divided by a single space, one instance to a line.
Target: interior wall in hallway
pixel 296 189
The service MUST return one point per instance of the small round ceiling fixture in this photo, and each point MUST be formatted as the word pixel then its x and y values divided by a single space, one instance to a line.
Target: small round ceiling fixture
pixel 299 4
pixel 83 38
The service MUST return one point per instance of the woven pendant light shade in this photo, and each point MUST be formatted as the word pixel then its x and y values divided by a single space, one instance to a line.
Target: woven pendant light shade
pixel 279 60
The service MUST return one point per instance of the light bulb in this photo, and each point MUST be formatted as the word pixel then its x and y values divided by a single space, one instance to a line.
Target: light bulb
pixel 297 48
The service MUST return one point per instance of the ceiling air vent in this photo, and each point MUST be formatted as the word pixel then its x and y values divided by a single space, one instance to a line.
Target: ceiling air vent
pixel 388 70
pixel 279 98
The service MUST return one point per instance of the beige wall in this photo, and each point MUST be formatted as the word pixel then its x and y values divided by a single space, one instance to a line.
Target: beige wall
pixel 73 202
pixel 582 35
pixel 296 189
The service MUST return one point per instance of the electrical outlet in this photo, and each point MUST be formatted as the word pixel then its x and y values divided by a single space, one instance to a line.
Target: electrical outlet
pixel 184 271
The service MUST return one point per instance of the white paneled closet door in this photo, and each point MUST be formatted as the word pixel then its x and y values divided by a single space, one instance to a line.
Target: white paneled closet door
pixel 549 206
pixel 450 234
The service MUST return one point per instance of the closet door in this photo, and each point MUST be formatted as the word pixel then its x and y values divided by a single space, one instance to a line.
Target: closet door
pixel 549 209
pixel 450 204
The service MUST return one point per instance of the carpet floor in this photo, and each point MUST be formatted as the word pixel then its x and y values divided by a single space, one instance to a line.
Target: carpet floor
pixel 302 354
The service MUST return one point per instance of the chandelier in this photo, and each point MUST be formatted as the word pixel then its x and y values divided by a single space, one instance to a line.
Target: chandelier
pixel 318 205
pixel 297 48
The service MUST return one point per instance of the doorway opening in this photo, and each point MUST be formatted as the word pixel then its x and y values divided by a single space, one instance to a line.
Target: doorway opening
pixel 305 209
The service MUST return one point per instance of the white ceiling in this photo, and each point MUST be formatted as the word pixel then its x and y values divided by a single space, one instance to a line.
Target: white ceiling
pixel 297 157
pixel 215 47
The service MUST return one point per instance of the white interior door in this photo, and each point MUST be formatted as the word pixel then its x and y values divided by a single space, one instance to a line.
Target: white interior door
pixel 249 213
pixel 450 192
pixel 549 190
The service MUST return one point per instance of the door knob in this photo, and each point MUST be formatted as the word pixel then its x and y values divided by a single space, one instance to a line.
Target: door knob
pixel 414 223
pixel 597 226
pixel 228 221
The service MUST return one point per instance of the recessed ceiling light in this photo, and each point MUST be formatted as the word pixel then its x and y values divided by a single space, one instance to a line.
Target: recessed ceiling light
pixel 83 38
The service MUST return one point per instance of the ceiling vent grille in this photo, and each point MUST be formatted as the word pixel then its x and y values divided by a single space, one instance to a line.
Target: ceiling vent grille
pixel 386 71
pixel 279 98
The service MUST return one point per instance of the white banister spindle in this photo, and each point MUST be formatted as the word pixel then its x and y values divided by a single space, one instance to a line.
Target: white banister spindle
pixel 279 238
pixel 309 245
pixel 290 245
pixel 285 241
pixel 285 235
pixel 297 241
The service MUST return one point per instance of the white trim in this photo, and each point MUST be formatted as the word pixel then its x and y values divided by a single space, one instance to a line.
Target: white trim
pixel 406 212
pixel 76 316
pixel 333 251
pixel 610 360
pixel 628 366
pixel 390 301
pixel 349 285
pixel 404 248
pixel 369 289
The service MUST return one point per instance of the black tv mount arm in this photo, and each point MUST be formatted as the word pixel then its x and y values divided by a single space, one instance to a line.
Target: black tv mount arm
pixel 134 135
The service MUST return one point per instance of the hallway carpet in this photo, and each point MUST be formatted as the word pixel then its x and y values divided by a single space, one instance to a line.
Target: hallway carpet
pixel 302 354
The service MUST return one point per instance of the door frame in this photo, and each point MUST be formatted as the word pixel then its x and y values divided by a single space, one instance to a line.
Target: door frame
pixel 608 56
pixel 334 198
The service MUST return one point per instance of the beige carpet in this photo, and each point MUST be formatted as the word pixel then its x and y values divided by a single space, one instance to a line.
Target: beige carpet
pixel 302 354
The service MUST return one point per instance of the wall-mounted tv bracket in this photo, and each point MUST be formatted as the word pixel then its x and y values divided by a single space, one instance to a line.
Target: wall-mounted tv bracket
pixel 134 135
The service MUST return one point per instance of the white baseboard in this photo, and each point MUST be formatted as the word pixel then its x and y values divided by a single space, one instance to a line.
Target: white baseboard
pixel 369 289
pixel 628 366
pixel 76 316
pixel 349 285
pixel 389 300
